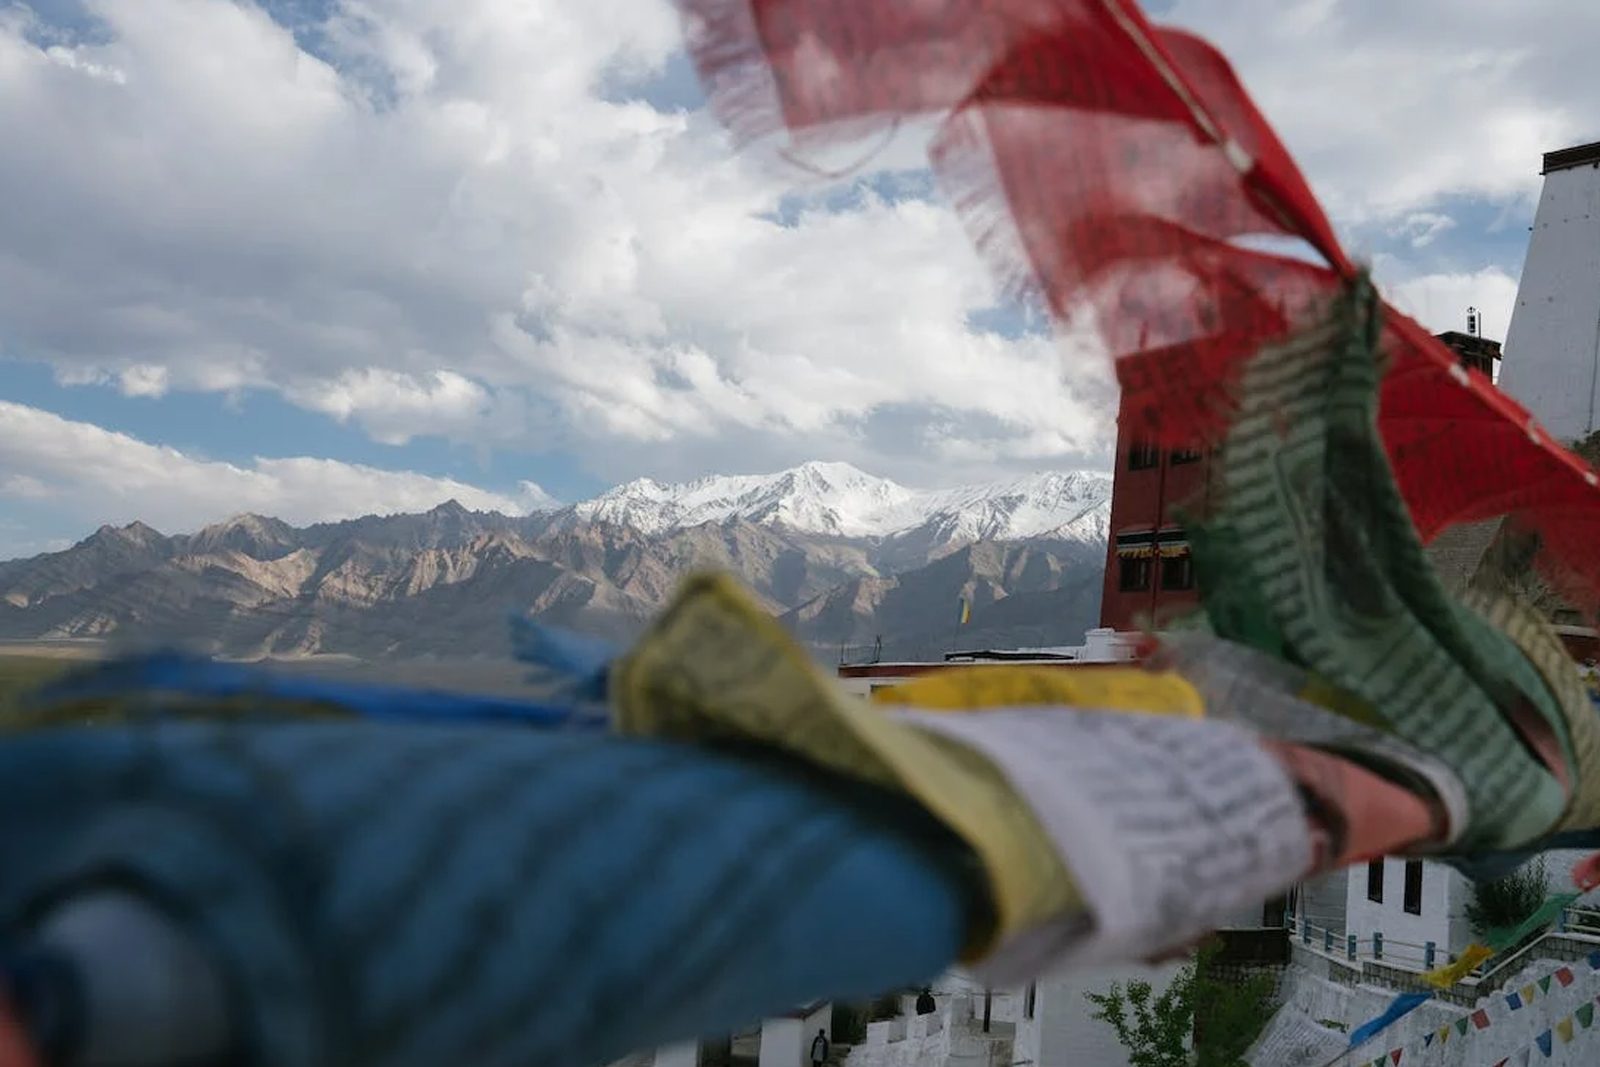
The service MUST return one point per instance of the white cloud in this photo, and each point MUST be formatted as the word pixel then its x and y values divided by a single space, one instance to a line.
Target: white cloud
pixel 1420 229
pixel 142 379
pixel 95 476
pixel 1390 107
pixel 1440 301
pixel 451 230
pixel 454 233
pixel 393 404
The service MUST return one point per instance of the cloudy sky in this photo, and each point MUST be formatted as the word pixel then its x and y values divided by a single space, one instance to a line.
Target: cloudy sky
pixel 319 258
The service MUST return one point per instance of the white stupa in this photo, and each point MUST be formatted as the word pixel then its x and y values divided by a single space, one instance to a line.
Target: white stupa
pixel 1551 360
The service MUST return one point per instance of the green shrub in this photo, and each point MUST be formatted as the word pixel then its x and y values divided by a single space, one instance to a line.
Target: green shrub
pixel 1505 902
pixel 1219 1016
pixel 849 1023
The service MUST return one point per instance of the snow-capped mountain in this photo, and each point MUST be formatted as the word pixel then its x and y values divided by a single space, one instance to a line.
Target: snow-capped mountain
pixel 843 557
pixel 837 499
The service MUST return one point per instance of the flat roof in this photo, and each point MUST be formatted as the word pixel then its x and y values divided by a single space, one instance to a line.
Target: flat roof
pixel 1470 343
pixel 1568 158
pixel 802 1011
pixel 907 670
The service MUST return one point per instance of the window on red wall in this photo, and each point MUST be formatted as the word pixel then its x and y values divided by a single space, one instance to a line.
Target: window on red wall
pixel 1133 574
pixel 1177 572
pixel 1185 455
pixel 1142 457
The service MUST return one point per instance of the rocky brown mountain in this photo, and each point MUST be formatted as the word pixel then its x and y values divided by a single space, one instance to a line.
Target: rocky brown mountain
pixel 443 583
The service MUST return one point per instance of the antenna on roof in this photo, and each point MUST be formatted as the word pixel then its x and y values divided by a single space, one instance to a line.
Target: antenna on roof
pixel 1474 323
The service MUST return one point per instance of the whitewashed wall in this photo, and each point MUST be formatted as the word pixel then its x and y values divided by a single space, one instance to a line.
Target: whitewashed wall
pixel 1504 1025
pixel 685 1054
pixel 950 1037
pixel 1550 357
pixel 1443 921
pixel 1061 1033
pixel 786 1042
pixel 1324 903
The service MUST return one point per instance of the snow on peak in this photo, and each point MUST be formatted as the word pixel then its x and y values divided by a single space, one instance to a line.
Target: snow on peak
pixel 840 500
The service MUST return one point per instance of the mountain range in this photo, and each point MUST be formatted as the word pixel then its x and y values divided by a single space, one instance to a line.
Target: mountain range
pixel 844 558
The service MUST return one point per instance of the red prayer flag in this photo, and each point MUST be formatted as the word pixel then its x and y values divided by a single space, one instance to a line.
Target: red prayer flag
pixel 1118 173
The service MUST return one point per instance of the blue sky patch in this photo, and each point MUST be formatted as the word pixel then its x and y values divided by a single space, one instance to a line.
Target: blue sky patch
pixel 238 428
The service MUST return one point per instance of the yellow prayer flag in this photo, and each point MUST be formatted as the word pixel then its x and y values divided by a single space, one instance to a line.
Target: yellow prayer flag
pixel 1101 688
pixel 717 665
pixel 1445 977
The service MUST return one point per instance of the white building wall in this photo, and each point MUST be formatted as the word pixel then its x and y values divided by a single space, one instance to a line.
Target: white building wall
pixel 783 1042
pixel 1005 1004
pixel 684 1054
pixel 1061 1032
pixel 950 1037
pixel 1324 904
pixel 1445 894
pixel 1551 358
pixel 1100 646
pixel 786 1042
pixel 1443 921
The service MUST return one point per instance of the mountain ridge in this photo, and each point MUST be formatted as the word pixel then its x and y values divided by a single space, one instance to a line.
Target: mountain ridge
pixel 840 499
pixel 842 557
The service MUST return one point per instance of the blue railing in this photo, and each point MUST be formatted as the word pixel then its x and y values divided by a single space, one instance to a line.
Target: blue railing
pixel 1354 949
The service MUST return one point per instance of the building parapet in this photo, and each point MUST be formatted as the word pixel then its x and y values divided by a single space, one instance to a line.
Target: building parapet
pixel 1399 965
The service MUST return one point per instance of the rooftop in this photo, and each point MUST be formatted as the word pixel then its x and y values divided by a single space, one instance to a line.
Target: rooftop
pixel 1569 158
pixel 1470 344
pixel 906 670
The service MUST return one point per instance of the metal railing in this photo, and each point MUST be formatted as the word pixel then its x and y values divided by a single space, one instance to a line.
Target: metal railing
pixel 1373 947
pixel 1579 924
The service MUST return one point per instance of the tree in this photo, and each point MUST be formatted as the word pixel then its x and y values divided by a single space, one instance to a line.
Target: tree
pixel 1505 902
pixel 1218 1018
pixel 1155 1032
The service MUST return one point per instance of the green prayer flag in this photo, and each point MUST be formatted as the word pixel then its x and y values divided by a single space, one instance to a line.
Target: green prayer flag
pixel 1310 553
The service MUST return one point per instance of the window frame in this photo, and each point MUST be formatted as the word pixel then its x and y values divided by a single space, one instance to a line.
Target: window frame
pixel 1182 456
pixel 1135 564
pixel 1143 456
pixel 1187 562
pixel 1412 896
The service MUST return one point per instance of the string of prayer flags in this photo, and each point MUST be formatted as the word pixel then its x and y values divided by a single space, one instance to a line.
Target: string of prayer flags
pixel 1497 941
